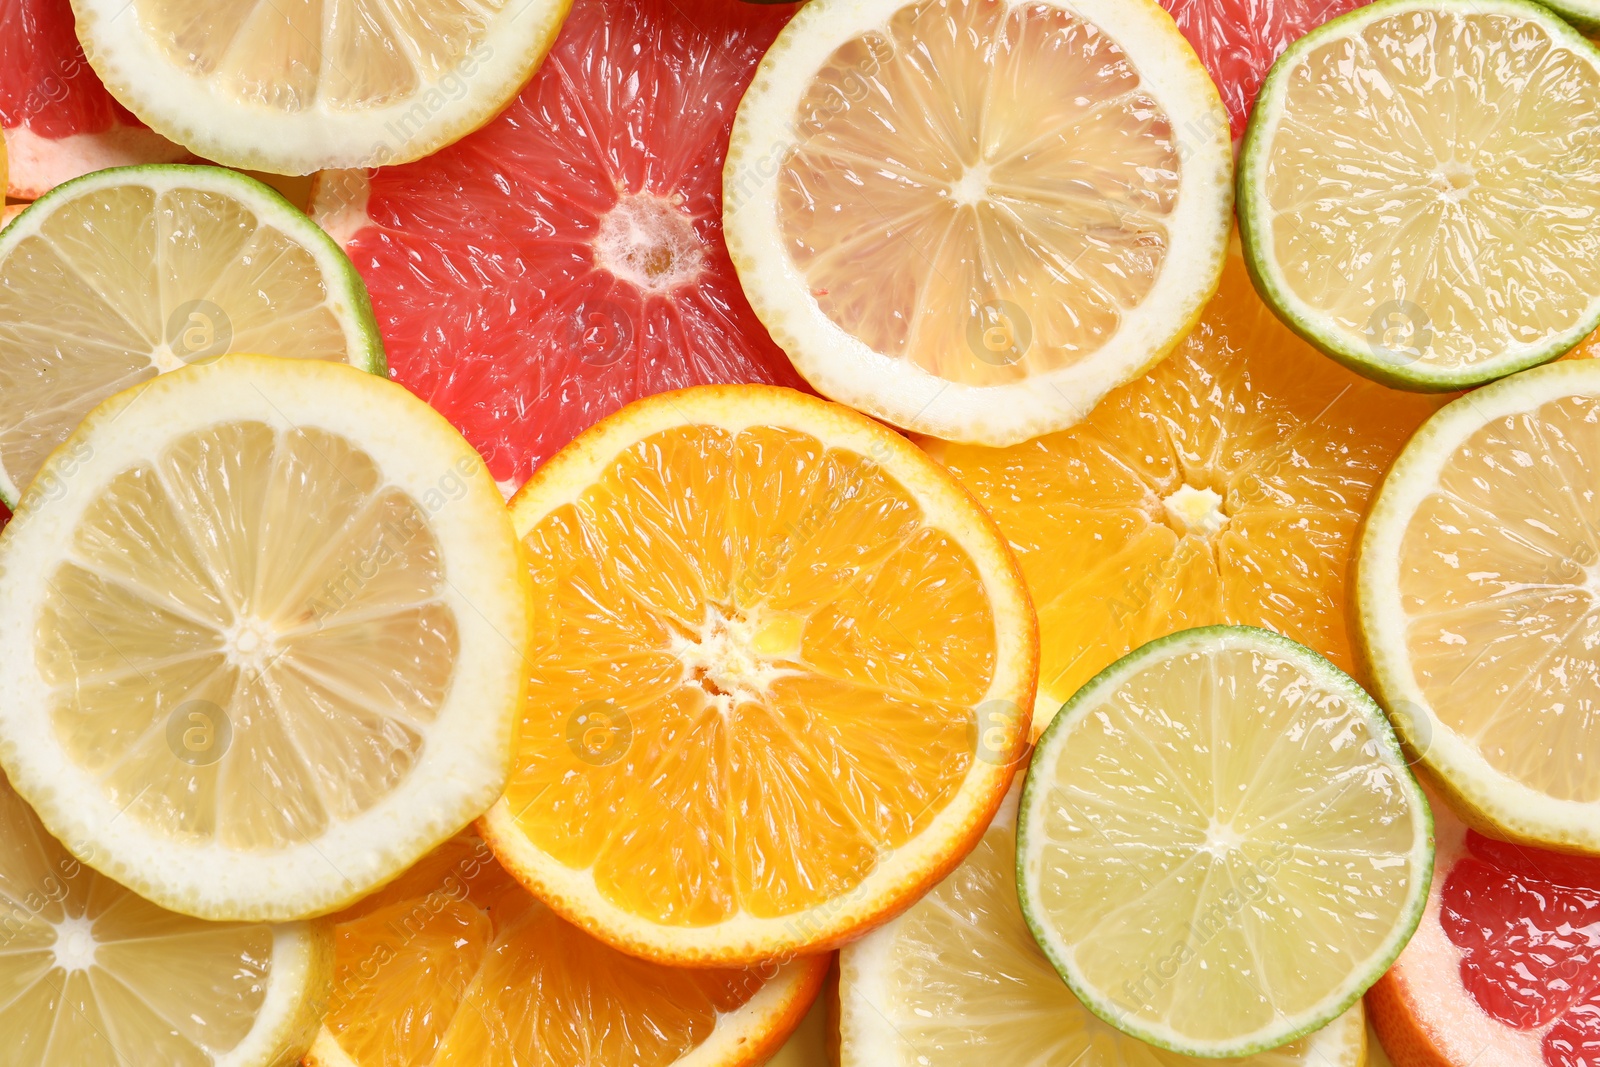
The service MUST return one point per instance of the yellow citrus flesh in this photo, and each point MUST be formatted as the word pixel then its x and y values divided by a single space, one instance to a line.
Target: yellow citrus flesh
pixel 456 964
pixel 1226 486
pixel 91 973
pixel 1453 243
pixel 764 646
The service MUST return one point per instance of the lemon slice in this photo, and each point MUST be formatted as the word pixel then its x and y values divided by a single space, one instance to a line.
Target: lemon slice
pixel 263 637
pixel 972 220
pixel 299 87
pixel 1220 846
pixel 782 670
pixel 1478 596
pixel 94 975
pixel 958 981
pixel 1414 188
pixel 116 277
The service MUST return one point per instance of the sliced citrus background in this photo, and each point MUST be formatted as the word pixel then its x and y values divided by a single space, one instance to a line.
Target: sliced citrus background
pixel 455 965
pixel 1479 603
pixel 780 671
pixel 959 981
pixel 972 220
pixel 1237 40
pixel 568 258
pixel 1423 234
pixel 58 120
pixel 296 88
pixel 1225 486
pixel 263 637
pixel 93 974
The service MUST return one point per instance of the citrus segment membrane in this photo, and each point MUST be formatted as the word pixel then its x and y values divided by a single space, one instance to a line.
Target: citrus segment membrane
pixel 776 671
pixel 959 981
pixel 972 219
pixel 455 965
pixel 1480 602
pixel 126 274
pixel 94 974
pixel 1409 186
pixel 1220 844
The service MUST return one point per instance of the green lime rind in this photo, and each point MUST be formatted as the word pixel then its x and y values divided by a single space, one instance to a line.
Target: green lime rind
pixel 1253 210
pixel 1030 815
pixel 347 295
pixel 1583 14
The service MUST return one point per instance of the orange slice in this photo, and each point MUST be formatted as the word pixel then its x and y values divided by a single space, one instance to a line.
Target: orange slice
pixel 1225 487
pixel 778 676
pixel 456 965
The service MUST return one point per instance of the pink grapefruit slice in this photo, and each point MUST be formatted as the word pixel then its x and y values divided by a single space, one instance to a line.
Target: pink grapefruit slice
pixel 59 121
pixel 568 258
pixel 1504 970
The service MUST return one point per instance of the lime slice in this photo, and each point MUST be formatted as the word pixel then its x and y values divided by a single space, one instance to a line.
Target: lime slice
pixel 958 981
pixel 116 277
pixel 1220 846
pixel 1417 186
pixel 262 640
pixel 1478 603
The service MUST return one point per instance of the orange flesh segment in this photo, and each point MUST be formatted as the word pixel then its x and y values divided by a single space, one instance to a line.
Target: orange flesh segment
pixel 456 965
pixel 754 667
pixel 1115 549
pixel 1500 583
pixel 980 189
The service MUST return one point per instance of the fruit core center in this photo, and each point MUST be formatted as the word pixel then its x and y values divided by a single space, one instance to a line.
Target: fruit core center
pixel 250 643
pixel 1221 838
pixel 1195 511
pixel 649 241
pixel 973 185
pixel 735 656
pixel 1454 180
pixel 75 945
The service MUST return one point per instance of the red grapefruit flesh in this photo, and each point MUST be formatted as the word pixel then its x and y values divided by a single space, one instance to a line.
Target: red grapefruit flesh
pixel 59 121
pixel 1237 40
pixel 568 258
pixel 1504 970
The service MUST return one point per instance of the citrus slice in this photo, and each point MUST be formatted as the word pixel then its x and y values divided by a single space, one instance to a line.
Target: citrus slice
pixel 973 220
pixel 778 671
pixel 455 965
pixel 1226 486
pixel 58 119
pixel 262 645
pixel 1478 593
pixel 125 274
pixel 1423 235
pixel 1220 846
pixel 296 88
pixel 958 981
pixel 1504 969
pixel 568 258
pixel 1237 40
pixel 94 975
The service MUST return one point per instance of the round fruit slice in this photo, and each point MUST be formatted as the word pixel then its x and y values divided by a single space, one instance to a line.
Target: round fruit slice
pixel 568 258
pixel 115 278
pixel 779 671
pixel 1220 846
pixel 1478 592
pixel 455 964
pixel 958 981
pixel 262 646
pixel 58 120
pixel 297 88
pixel 1237 40
pixel 1504 969
pixel 94 975
pixel 1226 486
pixel 1423 234
pixel 973 220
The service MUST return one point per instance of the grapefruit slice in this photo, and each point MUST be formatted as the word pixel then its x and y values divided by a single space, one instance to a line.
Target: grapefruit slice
pixel 455 965
pixel 568 258
pixel 58 120
pixel 1504 969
